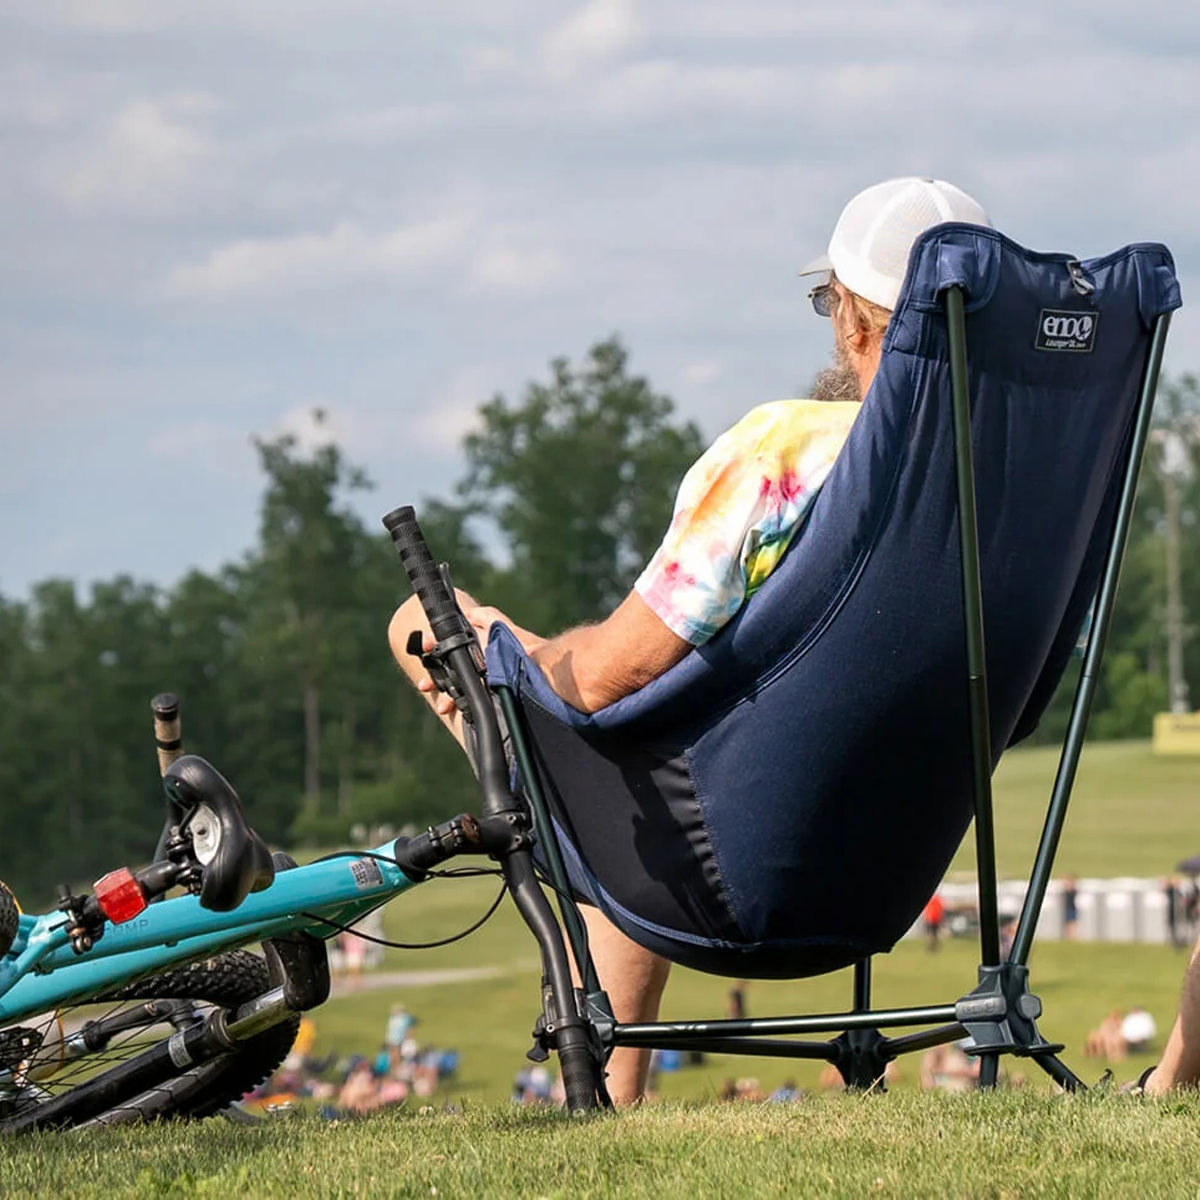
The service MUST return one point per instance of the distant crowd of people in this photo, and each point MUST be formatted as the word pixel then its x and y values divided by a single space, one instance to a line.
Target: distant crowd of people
pixel 402 1069
pixel 748 1089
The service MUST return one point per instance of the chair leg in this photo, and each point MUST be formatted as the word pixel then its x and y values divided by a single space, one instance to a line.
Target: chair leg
pixel 862 985
pixel 989 1071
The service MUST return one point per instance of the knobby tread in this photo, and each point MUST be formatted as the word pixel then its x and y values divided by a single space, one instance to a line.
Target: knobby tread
pixel 226 980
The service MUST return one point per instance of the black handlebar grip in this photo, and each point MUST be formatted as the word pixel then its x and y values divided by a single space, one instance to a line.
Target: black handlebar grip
pixel 168 730
pixel 440 607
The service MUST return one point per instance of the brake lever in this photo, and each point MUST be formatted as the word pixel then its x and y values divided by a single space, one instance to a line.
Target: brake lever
pixel 435 661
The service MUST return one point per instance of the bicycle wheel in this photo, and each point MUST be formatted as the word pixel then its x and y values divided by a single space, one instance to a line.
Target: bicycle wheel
pixel 47 1059
pixel 8 918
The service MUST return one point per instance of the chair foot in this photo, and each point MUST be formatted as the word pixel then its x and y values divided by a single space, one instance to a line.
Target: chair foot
pixel 862 1057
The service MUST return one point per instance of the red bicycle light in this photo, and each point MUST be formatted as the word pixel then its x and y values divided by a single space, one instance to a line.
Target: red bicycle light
pixel 120 896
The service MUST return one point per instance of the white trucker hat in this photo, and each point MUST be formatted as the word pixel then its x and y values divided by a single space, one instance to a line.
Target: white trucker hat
pixel 875 233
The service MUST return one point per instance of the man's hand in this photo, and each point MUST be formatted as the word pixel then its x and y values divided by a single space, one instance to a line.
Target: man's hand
pixel 481 618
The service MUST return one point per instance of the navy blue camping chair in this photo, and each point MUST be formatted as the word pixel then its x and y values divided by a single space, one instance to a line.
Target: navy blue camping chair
pixel 785 800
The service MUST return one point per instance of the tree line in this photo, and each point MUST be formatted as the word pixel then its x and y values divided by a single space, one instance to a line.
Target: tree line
pixel 281 661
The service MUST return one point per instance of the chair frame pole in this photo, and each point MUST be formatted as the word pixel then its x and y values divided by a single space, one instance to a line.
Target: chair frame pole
pixel 1085 690
pixel 557 871
pixel 977 691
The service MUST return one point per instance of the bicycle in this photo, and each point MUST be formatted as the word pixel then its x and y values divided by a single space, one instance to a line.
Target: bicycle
pixel 146 959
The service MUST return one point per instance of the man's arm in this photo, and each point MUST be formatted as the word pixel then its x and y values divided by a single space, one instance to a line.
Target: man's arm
pixel 589 667
pixel 596 665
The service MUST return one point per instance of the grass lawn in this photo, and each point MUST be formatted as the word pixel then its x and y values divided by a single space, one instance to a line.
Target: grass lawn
pixel 905 1144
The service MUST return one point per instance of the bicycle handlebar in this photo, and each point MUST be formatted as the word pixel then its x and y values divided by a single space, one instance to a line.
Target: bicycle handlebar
pixel 445 617
pixel 458 649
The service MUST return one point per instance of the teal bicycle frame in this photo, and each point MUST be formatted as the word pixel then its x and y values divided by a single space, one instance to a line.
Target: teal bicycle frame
pixel 42 971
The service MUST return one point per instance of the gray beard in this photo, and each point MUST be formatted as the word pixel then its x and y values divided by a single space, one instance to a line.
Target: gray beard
pixel 836 383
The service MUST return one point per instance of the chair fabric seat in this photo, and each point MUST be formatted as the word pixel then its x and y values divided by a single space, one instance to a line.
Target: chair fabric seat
pixel 785 800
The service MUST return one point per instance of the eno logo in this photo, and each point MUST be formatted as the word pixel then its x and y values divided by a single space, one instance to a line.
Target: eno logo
pixel 1059 329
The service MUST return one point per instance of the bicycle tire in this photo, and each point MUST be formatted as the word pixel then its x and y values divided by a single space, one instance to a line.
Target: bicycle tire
pixel 225 981
pixel 9 915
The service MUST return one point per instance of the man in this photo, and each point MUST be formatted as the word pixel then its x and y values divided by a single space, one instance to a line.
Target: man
pixel 734 517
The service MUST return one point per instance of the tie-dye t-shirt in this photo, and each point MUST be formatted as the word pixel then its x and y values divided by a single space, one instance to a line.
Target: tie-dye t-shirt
pixel 737 509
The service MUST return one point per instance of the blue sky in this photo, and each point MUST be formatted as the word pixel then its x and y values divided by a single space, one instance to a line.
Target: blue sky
pixel 216 215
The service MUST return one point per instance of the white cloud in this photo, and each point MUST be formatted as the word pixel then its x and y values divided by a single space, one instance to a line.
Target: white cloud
pixel 387 430
pixel 313 260
pixel 486 260
pixel 442 429
pixel 506 269
pixel 143 159
pixel 598 31
pixel 283 16
pixel 451 411
pixel 221 449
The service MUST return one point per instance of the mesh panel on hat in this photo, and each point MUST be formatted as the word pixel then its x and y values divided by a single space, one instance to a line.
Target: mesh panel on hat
pixel 894 230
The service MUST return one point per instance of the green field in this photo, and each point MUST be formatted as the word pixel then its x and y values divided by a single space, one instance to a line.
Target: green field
pixel 1131 813
pixel 489 1021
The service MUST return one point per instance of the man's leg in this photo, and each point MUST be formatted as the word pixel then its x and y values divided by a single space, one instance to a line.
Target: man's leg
pixel 1180 1065
pixel 634 978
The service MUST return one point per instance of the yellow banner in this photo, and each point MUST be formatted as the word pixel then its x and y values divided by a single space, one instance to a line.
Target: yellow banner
pixel 1177 733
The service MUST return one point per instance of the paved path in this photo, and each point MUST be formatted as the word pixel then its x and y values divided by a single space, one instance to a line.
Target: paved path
pixel 371 981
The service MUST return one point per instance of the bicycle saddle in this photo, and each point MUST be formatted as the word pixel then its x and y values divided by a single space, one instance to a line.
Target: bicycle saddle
pixel 235 859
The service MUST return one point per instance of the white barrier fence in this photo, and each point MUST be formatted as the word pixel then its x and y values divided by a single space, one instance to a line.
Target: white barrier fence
pixel 1109 910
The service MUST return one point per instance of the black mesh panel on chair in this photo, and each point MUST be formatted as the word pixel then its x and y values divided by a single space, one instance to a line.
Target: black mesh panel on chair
pixel 635 822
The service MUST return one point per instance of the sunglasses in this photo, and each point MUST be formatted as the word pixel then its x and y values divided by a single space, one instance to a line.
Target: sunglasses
pixel 824 300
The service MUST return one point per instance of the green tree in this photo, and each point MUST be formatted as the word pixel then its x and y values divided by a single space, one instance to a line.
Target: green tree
pixel 301 583
pixel 579 478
